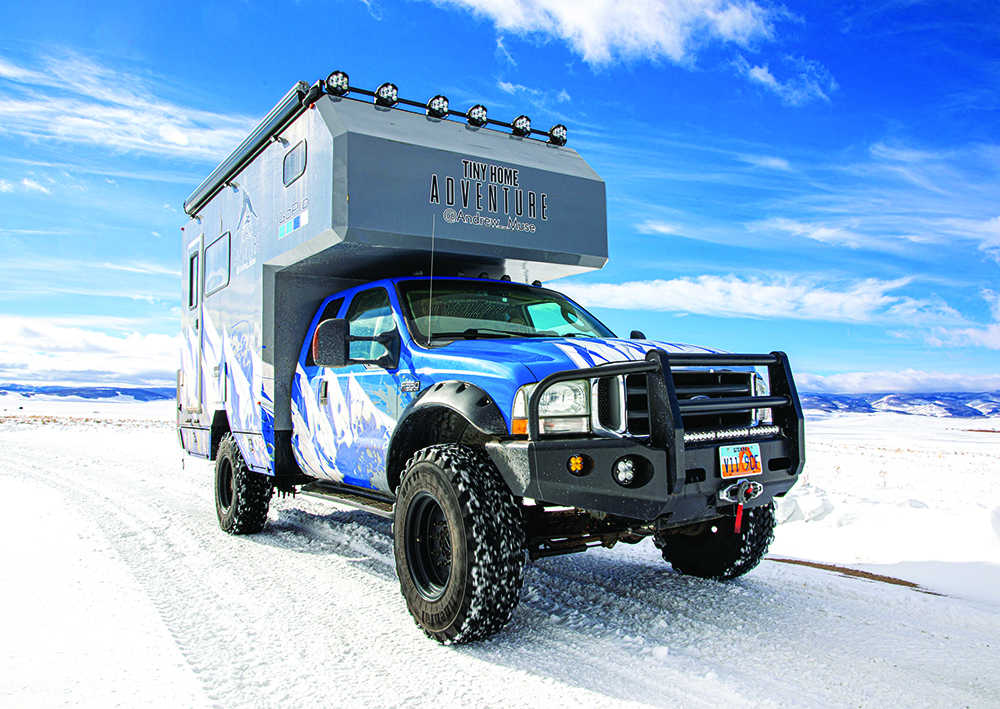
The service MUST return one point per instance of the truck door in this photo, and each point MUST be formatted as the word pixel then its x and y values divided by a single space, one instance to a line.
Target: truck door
pixel 370 395
pixel 191 349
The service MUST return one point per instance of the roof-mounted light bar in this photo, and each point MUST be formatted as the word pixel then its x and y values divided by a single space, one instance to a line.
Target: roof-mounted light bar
pixel 387 96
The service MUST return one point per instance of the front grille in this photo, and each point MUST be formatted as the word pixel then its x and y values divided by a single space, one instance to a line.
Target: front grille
pixel 636 405
pixel 690 384
pixel 714 385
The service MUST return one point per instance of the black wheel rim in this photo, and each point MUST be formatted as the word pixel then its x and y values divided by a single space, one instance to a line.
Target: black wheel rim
pixel 226 485
pixel 428 546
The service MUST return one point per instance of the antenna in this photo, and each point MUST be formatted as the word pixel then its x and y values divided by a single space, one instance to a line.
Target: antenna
pixel 430 295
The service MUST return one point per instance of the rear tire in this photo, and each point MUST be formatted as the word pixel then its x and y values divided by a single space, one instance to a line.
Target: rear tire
pixel 242 496
pixel 715 551
pixel 458 544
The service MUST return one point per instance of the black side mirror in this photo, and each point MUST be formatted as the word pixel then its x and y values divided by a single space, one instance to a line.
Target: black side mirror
pixel 637 335
pixel 329 346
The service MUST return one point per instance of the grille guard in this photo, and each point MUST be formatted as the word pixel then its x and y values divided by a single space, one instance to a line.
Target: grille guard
pixel 666 425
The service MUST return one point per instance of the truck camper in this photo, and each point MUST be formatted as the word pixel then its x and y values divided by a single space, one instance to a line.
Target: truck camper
pixel 364 321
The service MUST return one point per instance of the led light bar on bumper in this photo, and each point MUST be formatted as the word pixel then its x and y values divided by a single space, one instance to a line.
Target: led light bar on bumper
pixel 564 408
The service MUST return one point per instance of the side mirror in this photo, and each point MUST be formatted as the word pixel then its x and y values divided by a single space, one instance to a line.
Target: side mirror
pixel 329 346
pixel 332 342
pixel 637 335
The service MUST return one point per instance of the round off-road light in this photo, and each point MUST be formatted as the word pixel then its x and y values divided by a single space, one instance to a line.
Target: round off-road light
pixel 624 471
pixel 557 134
pixel 580 464
pixel 337 83
pixel 387 95
pixel 437 107
pixel 521 126
pixel 477 115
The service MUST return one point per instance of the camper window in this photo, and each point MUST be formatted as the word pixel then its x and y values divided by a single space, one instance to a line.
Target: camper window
pixel 217 265
pixel 295 164
pixel 193 280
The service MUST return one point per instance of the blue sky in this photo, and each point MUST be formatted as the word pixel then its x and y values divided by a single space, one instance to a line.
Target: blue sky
pixel 821 178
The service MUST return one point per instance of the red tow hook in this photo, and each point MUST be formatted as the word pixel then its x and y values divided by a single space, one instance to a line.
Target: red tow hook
pixel 739 494
pixel 741 498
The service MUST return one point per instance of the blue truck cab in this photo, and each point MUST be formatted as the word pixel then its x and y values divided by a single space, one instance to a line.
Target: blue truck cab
pixel 335 347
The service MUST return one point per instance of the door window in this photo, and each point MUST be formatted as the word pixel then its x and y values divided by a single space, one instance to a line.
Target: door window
pixel 370 315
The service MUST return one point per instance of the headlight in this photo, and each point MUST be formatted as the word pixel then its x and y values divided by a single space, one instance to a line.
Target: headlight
pixel 564 408
pixel 760 388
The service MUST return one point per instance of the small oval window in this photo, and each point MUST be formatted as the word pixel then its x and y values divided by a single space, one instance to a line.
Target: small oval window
pixel 295 163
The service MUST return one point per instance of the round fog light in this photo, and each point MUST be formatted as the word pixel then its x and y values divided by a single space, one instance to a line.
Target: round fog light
pixel 580 464
pixel 625 471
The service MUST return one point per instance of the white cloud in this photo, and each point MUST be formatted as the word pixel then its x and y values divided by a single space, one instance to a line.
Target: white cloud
pixel 39 351
pixel 33 186
pixel 602 31
pixel 137 267
pixel 984 231
pixel 820 232
pixel 653 226
pixel 810 80
pixel 538 97
pixel 6 186
pixel 987 336
pixel 797 298
pixel 76 100
pixel 766 161
pixel 907 381
pixel 503 54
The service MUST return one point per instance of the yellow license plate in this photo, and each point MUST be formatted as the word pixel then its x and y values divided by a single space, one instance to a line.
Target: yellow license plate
pixel 738 461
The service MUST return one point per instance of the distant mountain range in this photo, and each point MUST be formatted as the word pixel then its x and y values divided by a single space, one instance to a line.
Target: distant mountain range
pixel 137 393
pixel 958 405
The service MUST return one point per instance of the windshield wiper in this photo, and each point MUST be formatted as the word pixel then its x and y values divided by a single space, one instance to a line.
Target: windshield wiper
pixel 474 332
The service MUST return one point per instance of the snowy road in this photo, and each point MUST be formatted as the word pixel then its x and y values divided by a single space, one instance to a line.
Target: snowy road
pixel 119 589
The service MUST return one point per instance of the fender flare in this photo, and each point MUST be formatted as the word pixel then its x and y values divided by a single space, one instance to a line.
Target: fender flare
pixel 467 400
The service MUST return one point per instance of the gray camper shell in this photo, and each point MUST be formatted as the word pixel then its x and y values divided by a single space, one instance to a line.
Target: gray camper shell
pixel 328 192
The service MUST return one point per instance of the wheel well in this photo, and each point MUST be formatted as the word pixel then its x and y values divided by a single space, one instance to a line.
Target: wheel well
pixel 427 427
pixel 220 427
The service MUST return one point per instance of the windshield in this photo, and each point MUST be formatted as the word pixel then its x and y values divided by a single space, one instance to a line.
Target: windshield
pixel 489 309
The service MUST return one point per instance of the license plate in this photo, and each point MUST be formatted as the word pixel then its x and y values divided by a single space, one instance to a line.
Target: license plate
pixel 737 461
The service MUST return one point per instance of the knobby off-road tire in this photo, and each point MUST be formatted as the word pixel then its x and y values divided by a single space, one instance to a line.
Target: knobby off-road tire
pixel 458 544
pixel 241 495
pixel 717 552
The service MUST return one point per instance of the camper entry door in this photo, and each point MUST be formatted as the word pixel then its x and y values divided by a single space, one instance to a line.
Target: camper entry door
pixel 193 326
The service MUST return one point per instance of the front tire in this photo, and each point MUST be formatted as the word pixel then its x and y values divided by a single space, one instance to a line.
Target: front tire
pixel 458 544
pixel 242 496
pixel 714 550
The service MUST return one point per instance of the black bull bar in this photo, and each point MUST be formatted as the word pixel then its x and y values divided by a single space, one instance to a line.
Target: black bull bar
pixel 666 424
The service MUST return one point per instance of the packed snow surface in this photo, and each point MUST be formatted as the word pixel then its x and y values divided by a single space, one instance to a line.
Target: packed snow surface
pixel 119 589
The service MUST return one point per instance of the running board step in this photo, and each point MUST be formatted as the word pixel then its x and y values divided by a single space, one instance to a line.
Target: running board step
pixel 349 496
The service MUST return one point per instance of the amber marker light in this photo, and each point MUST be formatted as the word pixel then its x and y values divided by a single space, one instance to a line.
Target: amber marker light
pixel 579 464
pixel 519 427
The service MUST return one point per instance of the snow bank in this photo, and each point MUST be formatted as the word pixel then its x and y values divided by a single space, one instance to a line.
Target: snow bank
pixel 915 497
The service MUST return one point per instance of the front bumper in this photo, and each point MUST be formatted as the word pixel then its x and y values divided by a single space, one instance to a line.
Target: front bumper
pixel 678 482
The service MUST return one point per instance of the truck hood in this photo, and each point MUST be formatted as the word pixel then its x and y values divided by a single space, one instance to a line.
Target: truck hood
pixel 543 357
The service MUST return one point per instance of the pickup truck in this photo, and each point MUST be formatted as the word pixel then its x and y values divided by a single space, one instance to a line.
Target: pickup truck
pixel 493 421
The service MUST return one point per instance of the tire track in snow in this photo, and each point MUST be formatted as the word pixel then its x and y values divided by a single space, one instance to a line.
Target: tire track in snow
pixel 262 620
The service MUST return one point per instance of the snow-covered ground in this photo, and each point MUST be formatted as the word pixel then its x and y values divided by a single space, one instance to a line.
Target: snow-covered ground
pixel 119 589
